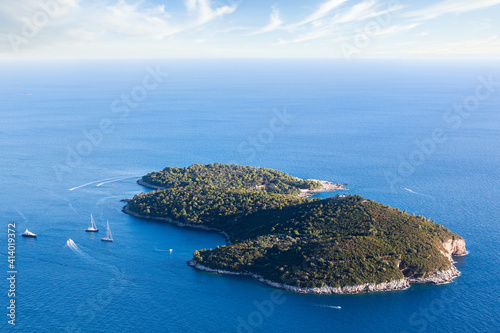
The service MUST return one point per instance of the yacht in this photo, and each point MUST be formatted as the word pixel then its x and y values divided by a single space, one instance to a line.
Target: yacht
pixel 28 233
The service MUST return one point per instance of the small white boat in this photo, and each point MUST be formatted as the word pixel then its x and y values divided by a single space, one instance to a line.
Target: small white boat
pixel 109 237
pixel 93 227
pixel 28 233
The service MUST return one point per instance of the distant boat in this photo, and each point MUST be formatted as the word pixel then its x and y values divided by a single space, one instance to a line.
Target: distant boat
pixel 108 237
pixel 93 227
pixel 28 233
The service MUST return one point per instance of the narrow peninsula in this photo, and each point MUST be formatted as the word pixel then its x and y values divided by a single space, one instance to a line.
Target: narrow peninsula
pixel 342 245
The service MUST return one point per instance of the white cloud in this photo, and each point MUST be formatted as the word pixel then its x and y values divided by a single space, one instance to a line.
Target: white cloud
pixel 131 20
pixel 97 23
pixel 356 12
pixel 340 26
pixel 274 23
pixel 203 11
pixel 324 9
pixel 366 10
pixel 451 6
pixel 395 29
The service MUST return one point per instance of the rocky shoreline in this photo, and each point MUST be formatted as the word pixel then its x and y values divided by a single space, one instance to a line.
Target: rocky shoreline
pixel 326 186
pixel 363 288
pixel 126 210
pixel 441 277
pixel 453 247
pixel 154 187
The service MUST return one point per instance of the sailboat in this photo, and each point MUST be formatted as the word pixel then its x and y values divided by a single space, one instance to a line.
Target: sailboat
pixel 93 227
pixel 108 237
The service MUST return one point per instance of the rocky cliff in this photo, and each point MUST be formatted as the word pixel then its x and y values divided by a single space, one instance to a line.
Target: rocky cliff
pixel 454 247
pixel 451 247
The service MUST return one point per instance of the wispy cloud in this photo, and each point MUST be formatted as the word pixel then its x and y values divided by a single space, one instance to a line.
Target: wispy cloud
pixel 204 10
pixel 131 20
pixel 395 29
pixel 451 6
pixel 192 28
pixel 366 10
pixel 356 12
pixel 343 25
pixel 274 23
pixel 101 21
pixel 324 9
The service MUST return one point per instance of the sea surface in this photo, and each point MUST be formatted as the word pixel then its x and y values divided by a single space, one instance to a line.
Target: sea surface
pixel 76 135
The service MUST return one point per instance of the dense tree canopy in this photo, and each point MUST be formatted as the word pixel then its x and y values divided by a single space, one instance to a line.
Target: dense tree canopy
pixel 302 242
pixel 229 177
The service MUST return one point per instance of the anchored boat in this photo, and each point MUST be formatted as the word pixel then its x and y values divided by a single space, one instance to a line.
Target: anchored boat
pixel 28 233
pixel 109 237
pixel 93 227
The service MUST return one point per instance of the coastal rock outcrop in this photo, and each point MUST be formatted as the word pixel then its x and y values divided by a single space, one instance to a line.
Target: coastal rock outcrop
pixel 325 290
pixel 439 277
pixel 451 247
pixel 454 247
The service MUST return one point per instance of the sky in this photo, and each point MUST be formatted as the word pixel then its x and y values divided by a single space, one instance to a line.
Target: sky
pixel 79 29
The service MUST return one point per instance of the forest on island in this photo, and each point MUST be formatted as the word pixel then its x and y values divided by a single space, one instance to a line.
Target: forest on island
pixel 302 242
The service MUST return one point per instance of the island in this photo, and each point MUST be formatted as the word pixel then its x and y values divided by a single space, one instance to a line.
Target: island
pixel 339 245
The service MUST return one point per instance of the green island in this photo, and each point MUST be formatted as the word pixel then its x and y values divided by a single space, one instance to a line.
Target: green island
pixel 343 244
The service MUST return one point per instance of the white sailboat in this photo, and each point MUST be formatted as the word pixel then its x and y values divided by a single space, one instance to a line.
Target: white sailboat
pixel 108 237
pixel 93 227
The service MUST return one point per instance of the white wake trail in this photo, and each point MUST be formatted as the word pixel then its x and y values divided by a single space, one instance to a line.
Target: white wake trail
pixel 90 183
pixel 101 182
pixel 424 195
pixel 114 180
pixel 329 306
pixel 21 214
pixel 72 245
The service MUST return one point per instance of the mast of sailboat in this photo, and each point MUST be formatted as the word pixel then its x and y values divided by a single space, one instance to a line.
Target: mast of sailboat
pixel 92 222
pixel 108 232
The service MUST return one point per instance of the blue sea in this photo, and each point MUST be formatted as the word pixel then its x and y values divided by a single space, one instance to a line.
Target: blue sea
pixel 76 135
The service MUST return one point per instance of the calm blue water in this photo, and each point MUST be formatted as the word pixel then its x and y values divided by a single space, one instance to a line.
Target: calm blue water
pixel 355 123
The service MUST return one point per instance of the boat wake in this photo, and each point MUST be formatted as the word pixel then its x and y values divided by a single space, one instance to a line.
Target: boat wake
pixel 101 182
pixel 21 214
pixel 424 195
pixel 115 180
pixel 329 306
pixel 157 250
pixel 72 245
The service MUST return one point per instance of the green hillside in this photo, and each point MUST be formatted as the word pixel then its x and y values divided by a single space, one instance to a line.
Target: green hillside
pixel 300 242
